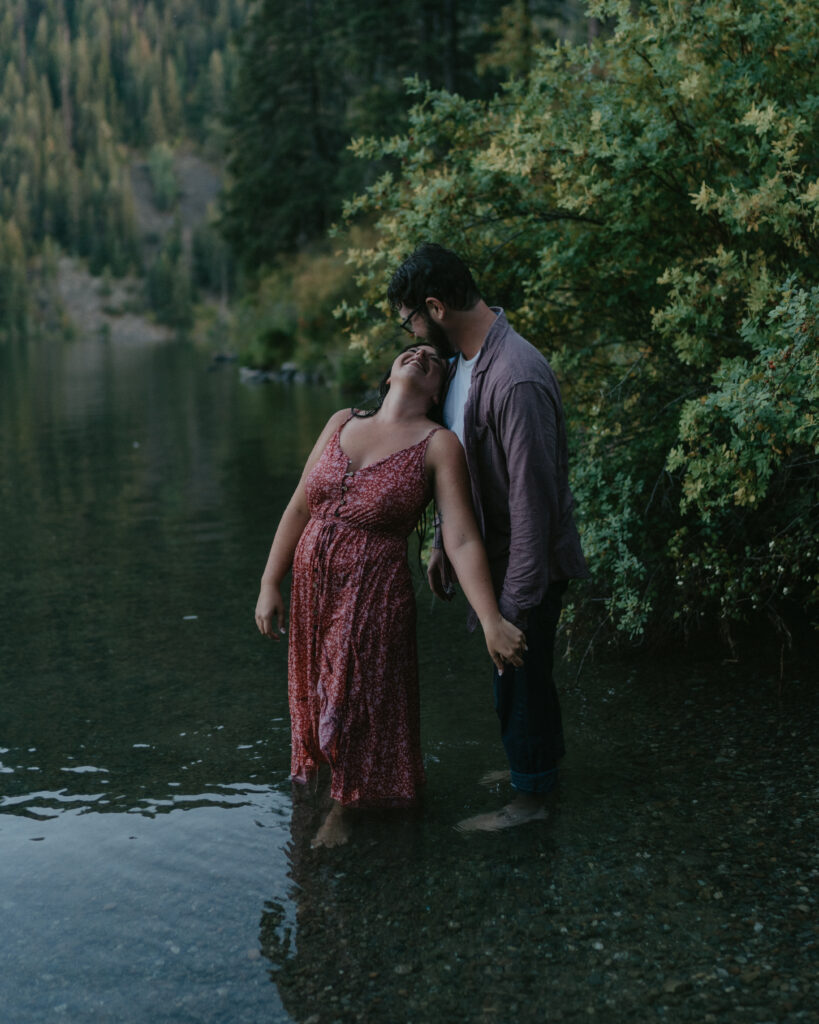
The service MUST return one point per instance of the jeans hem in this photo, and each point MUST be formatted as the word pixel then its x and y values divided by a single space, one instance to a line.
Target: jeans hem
pixel 537 782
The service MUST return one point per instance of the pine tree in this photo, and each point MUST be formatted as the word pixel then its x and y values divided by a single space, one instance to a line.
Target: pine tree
pixel 14 287
pixel 312 75
pixel 169 282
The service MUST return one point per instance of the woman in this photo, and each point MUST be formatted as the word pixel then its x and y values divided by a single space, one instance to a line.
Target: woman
pixel 352 661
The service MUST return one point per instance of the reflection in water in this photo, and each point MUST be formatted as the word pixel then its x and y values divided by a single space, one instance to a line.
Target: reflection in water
pixel 128 917
pixel 131 540
pixel 153 864
pixel 142 724
pixel 677 877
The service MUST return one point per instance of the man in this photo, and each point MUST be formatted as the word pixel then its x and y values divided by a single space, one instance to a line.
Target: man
pixel 503 402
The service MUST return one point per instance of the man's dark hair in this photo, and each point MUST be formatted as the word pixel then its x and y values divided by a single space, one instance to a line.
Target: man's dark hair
pixel 432 270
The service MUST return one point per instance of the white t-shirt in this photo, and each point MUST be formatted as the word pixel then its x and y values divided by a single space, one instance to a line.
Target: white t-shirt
pixel 456 396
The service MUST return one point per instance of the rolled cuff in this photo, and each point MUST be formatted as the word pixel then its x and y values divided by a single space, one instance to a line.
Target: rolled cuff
pixel 510 610
pixel 539 782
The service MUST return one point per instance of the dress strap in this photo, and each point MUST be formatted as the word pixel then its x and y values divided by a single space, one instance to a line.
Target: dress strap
pixel 341 426
pixel 434 430
pixel 423 445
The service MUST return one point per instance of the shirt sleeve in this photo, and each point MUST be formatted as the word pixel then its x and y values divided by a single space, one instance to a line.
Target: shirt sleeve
pixel 528 431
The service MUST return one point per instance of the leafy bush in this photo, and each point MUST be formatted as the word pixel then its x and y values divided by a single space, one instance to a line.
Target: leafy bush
pixel 746 461
pixel 290 316
pixel 646 208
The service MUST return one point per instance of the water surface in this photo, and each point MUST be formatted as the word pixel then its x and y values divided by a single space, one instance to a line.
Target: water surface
pixel 154 864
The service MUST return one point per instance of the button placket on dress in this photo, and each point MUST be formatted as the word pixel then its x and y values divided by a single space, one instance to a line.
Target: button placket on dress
pixel 348 475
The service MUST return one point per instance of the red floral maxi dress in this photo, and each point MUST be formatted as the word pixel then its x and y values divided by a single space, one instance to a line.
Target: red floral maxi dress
pixel 352 659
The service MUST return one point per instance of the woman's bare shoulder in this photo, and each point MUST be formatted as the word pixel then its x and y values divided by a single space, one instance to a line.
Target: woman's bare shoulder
pixel 338 418
pixel 445 446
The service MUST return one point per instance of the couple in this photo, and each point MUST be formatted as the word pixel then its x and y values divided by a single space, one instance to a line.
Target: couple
pixel 352 663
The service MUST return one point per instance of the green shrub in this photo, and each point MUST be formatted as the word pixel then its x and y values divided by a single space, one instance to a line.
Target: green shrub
pixel 290 315
pixel 646 207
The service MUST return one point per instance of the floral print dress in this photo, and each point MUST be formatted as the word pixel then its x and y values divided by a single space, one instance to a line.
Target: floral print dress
pixel 352 660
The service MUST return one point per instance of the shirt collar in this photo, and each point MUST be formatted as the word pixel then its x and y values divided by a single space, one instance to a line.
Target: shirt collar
pixel 492 341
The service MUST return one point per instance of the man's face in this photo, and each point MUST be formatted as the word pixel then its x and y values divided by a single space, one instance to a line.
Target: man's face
pixel 426 329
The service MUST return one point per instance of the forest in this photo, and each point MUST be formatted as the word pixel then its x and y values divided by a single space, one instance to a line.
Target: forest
pixel 637 185
pixel 88 88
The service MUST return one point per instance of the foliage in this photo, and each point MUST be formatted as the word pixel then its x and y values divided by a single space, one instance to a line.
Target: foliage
pixel 645 206
pixel 314 73
pixel 163 176
pixel 81 84
pixel 212 265
pixel 746 461
pixel 289 317
pixel 15 299
pixel 169 282
pixel 523 25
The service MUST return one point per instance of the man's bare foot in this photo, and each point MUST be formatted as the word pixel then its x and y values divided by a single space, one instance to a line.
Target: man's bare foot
pixel 525 807
pixel 335 829
pixel 491 778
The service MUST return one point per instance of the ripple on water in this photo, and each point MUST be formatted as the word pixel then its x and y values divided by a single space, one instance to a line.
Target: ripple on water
pixel 676 880
pixel 142 916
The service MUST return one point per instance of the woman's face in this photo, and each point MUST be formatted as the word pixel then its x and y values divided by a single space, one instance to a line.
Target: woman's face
pixel 424 362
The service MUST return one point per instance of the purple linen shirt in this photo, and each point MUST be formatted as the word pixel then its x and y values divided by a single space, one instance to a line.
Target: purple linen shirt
pixel 517 454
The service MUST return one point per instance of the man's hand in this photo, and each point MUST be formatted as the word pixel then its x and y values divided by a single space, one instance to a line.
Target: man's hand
pixel 505 642
pixel 440 575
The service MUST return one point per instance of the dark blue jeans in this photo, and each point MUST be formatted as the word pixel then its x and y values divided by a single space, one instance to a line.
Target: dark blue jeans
pixel 527 704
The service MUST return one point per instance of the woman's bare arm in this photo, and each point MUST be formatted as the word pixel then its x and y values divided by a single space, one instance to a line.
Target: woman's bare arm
pixel 295 517
pixel 464 547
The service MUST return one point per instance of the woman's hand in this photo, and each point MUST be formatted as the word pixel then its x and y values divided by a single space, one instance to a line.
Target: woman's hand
pixel 270 611
pixel 505 642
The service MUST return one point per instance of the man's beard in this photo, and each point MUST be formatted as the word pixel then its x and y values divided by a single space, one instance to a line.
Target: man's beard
pixel 438 337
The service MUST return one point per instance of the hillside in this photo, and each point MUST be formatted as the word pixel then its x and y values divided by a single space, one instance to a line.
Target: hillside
pixel 111 147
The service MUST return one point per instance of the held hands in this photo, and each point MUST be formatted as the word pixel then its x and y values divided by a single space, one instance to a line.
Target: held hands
pixel 505 642
pixel 270 611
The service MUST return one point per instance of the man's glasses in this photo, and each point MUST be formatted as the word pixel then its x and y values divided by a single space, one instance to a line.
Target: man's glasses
pixel 407 321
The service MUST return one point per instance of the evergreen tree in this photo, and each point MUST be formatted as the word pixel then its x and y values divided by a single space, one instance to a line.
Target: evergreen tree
pixel 163 176
pixel 14 286
pixel 81 81
pixel 212 264
pixel 169 282
pixel 312 75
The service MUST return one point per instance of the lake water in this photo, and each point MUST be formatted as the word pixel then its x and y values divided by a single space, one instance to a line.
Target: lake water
pixel 153 863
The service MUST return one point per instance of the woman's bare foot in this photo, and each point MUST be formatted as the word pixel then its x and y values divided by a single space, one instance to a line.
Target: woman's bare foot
pixel 335 829
pixel 525 807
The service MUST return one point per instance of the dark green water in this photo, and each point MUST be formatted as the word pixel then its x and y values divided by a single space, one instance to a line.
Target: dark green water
pixel 153 865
